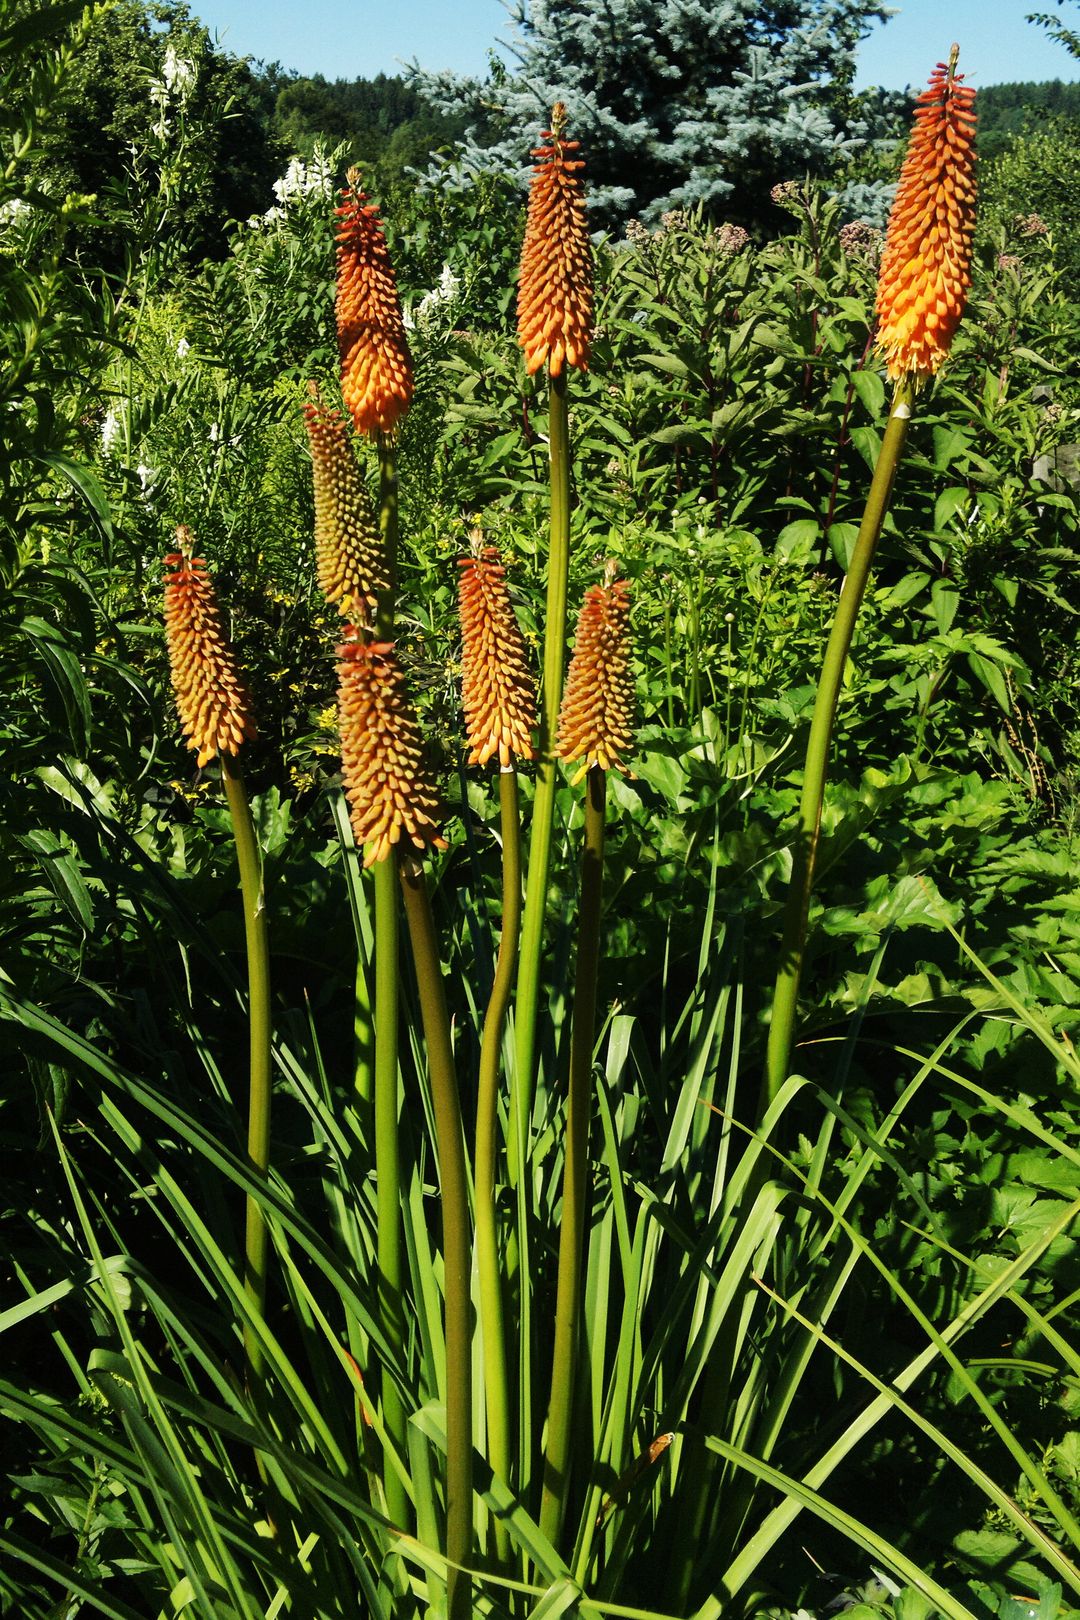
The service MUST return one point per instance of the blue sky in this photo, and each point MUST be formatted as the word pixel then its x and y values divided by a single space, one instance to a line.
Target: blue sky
pixel 358 38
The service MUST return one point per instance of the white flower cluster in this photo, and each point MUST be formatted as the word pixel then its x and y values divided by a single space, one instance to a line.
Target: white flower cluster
pixel 14 216
pixel 110 429
pixel 262 222
pixel 178 77
pixel 302 180
pixel 179 74
pixel 427 313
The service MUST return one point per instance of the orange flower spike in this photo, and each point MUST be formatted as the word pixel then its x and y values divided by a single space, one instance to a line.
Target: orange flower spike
pixel 596 718
pixel 390 795
pixel 497 689
pixel 350 557
pixel 925 267
pixel 376 370
pixel 213 702
pixel 555 293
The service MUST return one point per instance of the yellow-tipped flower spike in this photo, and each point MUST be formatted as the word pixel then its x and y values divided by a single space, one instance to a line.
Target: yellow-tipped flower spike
pixel 555 293
pixel 925 267
pixel 497 688
pixel 214 704
pixel 390 795
pixel 596 718
pixel 376 370
pixel 350 557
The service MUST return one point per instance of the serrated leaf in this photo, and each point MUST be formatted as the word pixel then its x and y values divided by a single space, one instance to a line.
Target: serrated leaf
pixel 944 604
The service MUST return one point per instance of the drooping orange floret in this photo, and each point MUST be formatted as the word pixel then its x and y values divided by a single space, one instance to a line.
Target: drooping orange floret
pixel 376 370
pixel 555 293
pixel 925 267
pixel 350 557
pixel 497 689
pixel 213 702
pixel 596 718
pixel 390 794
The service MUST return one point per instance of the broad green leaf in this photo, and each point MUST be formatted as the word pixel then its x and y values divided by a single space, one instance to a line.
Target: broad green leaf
pixel 870 388
pixel 948 503
pixel 949 443
pixel 944 604
pixel 797 542
pixel 842 538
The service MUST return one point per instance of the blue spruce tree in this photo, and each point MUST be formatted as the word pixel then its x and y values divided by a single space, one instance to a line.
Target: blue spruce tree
pixel 676 102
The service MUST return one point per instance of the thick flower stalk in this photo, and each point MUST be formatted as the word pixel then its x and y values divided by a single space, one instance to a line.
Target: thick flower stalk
pixel 555 315
pixel 376 370
pixel 922 285
pixel 596 719
pixel 596 728
pixel 925 267
pixel 376 385
pixel 497 688
pixel 500 713
pixel 555 297
pixel 391 798
pixel 213 701
pixel 215 711
pixel 350 557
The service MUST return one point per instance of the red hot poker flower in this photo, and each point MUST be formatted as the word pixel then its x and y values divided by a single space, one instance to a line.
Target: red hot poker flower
pixel 213 702
pixel 350 556
pixel 376 369
pixel 497 689
pixel 596 718
pixel 389 791
pixel 555 294
pixel 925 267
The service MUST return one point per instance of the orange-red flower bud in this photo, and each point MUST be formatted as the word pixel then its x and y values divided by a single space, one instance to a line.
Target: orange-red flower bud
pixel 925 267
pixel 555 294
pixel 389 791
pixel 350 557
pixel 497 689
pixel 214 704
pixel 596 718
pixel 376 370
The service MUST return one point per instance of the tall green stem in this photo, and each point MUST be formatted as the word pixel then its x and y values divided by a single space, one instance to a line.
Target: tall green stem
pixel 388 529
pixel 258 965
pixel 575 1180
pixel 388 1235
pixel 457 1238
pixel 388 1240
pixel 796 916
pixel 526 1008
pixel 492 1319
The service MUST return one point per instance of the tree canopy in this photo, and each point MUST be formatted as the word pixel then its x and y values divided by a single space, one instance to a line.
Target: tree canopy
pixel 676 104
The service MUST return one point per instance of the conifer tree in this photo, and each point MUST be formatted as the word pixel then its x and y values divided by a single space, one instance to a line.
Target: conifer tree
pixel 676 103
